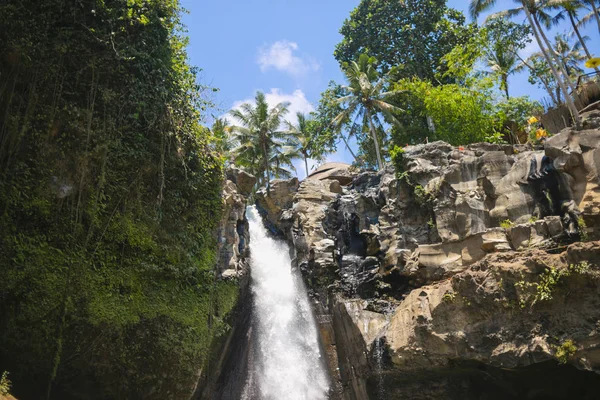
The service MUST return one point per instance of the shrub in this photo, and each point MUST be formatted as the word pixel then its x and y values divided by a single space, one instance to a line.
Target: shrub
pixel 459 115
pixel 565 351
pixel 5 384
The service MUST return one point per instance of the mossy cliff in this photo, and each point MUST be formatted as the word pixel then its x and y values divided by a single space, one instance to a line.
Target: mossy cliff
pixel 110 199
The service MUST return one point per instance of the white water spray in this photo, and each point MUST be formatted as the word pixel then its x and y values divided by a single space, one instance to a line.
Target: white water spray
pixel 288 363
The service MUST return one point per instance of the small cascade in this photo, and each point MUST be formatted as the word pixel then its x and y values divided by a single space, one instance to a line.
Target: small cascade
pixel 378 353
pixel 287 363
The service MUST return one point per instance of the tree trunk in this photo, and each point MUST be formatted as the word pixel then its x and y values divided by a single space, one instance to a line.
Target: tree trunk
pixel 583 45
pixel 546 85
pixel 505 85
pixel 552 96
pixel 347 146
pixel 374 135
pixel 306 165
pixel 554 55
pixel 266 163
pixel 568 98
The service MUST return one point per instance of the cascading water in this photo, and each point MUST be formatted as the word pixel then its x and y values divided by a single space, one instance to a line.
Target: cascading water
pixel 287 363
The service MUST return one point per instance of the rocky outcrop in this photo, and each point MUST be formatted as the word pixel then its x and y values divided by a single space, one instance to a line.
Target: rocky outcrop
pixel 340 172
pixel 233 232
pixel 469 273
pixel 224 376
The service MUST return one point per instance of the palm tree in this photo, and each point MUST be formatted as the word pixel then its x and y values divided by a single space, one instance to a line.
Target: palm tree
pixel 569 56
pixel 261 146
pixel 302 137
pixel 593 14
pixel 367 99
pixel 503 62
pixel 570 8
pixel 220 134
pixel 534 13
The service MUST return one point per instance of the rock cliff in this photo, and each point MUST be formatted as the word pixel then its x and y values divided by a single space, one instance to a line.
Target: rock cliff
pixel 224 377
pixel 469 272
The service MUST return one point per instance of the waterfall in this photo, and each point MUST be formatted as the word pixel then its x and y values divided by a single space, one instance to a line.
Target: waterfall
pixel 287 363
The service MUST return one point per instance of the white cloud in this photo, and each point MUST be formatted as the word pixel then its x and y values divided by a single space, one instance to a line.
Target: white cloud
pixel 280 56
pixel 297 102
pixel 531 48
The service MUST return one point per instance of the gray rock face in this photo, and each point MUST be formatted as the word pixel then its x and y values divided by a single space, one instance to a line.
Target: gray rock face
pixel 335 171
pixel 244 181
pixel 273 202
pixel 469 262
pixel 233 235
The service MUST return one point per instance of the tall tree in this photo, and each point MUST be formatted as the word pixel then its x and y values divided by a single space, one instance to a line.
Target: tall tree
pixel 220 137
pixel 259 138
pixel 414 34
pixel 571 9
pixel 569 55
pixel 541 75
pixel 534 13
pixel 302 137
pixel 504 40
pixel 595 13
pixel 367 99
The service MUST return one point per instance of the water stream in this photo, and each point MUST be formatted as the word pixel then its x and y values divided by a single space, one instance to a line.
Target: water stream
pixel 288 363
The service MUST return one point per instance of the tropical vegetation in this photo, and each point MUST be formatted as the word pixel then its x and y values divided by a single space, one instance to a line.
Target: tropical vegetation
pixel 110 197
pixel 111 169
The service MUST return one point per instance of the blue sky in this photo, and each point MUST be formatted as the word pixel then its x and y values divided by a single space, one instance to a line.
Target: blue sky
pixel 285 49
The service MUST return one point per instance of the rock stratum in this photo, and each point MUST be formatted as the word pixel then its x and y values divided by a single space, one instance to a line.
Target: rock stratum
pixel 467 273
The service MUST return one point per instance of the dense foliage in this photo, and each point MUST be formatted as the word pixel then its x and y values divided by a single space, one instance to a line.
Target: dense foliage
pixel 457 115
pixel 367 101
pixel 262 145
pixel 110 196
pixel 412 35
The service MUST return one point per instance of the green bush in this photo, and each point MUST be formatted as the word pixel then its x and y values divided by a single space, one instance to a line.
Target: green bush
pixel 544 289
pixel 565 351
pixel 459 115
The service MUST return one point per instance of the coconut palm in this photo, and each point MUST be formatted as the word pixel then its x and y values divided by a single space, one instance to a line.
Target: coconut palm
pixel 536 15
pixel 503 62
pixel 220 134
pixel 367 99
pixel 570 56
pixel 594 14
pixel 571 9
pixel 261 145
pixel 302 137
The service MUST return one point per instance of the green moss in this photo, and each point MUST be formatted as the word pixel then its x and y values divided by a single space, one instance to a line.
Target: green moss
pixel 109 203
pixel 449 297
pixel 506 224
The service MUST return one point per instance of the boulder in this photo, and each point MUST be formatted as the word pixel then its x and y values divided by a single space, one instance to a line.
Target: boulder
pixel 244 181
pixel 335 171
